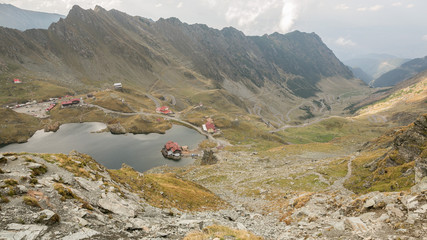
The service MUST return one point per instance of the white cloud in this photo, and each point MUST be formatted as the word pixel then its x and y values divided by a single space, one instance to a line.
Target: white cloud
pixel 410 6
pixel 342 7
pixel 425 37
pixel 396 4
pixel 289 15
pixel 345 42
pixel 211 3
pixel 376 8
pixel 158 5
pixel 179 5
pixel 372 9
pixel 246 12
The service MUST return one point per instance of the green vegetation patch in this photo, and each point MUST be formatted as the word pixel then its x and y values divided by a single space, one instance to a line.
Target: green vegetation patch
pixel 166 190
pixel 37 171
pixel 65 192
pixel 140 124
pixel 17 127
pixel 383 179
pixel 308 183
pixel 30 201
pixel 28 90
pixel 334 170
pixel 79 164
pixel 221 232
pixel 112 101
pixel 256 136
pixel 332 128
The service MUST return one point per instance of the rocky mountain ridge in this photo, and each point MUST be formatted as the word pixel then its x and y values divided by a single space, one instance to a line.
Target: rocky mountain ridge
pixel 94 48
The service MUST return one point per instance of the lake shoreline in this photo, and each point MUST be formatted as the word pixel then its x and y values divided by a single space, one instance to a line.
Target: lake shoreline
pixel 141 151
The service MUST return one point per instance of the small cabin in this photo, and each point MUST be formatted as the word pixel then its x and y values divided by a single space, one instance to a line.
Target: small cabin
pixel 17 80
pixel 118 86
pixel 209 126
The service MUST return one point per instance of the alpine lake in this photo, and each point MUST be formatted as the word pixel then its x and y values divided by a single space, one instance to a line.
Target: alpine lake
pixel 140 151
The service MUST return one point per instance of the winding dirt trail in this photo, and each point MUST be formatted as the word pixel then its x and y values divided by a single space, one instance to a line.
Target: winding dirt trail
pixel 339 184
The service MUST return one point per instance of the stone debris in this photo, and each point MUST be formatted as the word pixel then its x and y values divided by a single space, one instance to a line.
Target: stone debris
pixel 99 211
pixel 22 231
pixel 84 233
pixel 356 224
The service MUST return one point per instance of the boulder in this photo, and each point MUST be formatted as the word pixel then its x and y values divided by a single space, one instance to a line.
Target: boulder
pixel 23 231
pixel 356 224
pixel 22 189
pixel 339 226
pixel 12 158
pixel 91 186
pixel 47 217
pixel 52 127
pixel 116 128
pixel 113 203
pixel 84 233
pixel 369 203
pixel 422 209
pixel 137 224
pixel 394 211
pixel 420 187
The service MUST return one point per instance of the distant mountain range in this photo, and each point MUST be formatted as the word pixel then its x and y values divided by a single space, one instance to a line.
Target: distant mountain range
pixel 401 73
pixel 91 49
pixel 373 65
pixel 13 17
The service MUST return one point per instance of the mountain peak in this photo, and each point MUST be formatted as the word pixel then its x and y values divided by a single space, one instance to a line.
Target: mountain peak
pixel 99 9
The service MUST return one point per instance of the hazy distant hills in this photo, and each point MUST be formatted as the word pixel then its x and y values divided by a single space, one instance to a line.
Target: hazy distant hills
pixel 91 49
pixel 362 75
pixel 13 17
pixel 398 91
pixel 374 65
pixel 405 71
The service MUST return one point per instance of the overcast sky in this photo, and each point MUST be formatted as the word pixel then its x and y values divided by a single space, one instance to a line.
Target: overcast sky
pixel 348 27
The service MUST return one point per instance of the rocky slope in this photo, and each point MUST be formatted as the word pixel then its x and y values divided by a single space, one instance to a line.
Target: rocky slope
pixel 57 196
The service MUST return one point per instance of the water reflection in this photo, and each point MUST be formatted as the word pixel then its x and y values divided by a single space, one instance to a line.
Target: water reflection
pixel 141 151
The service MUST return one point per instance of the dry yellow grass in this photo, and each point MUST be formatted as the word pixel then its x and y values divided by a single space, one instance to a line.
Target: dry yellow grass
pixel 222 232
pixel 167 190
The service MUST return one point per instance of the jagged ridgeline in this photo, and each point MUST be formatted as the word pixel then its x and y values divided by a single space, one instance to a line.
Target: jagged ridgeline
pixel 93 48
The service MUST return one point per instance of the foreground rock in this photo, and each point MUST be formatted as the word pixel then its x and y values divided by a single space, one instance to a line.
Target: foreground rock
pixel 74 198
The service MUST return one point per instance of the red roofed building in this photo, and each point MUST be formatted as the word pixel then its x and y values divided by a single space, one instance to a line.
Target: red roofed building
pixel 51 107
pixel 163 110
pixel 17 80
pixel 210 127
pixel 172 150
pixel 66 103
